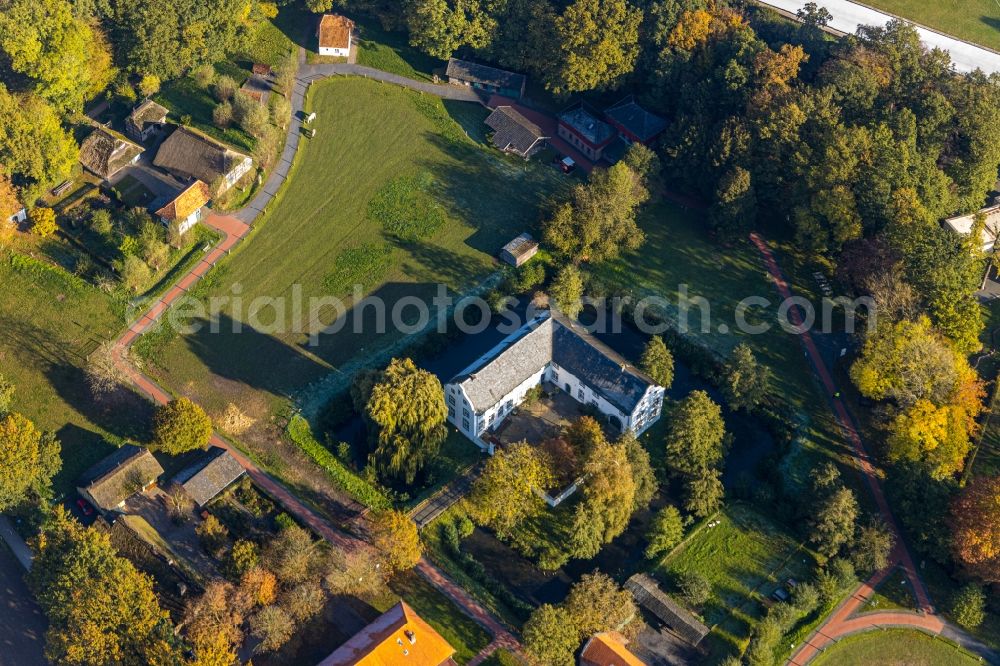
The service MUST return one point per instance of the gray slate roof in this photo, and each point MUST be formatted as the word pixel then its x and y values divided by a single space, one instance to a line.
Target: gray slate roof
pixel 194 155
pixel 552 339
pixel 119 476
pixel 209 476
pixel 649 595
pixel 636 119
pixel 472 71
pixel 587 124
pixel 512 131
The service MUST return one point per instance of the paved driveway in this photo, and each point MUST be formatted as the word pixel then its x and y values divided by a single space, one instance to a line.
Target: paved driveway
pixel 22 625
pixel 847 16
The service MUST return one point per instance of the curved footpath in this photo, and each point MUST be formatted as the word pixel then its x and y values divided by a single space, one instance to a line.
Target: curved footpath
pixel 233 229
pixel 845 619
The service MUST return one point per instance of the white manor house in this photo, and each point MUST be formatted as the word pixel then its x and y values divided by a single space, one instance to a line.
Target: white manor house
pixel 553 350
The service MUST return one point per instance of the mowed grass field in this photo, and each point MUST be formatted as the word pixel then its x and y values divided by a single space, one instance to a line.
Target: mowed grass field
pixel 50 322
pixel 744 557
pixel 380 152
pixel 893 647
pixel 976 21
pixel 679 256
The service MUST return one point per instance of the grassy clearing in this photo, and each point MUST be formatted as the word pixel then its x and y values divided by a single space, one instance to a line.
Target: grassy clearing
pixel 185 99
pixel 51 321
pixel 313 231
pixel 973 20
pixel 744 558
pixel 461 631
pixel 391 52
pixel 894 593
pixel 894 646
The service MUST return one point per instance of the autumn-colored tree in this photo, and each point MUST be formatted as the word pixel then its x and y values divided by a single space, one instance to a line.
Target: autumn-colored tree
pixel 551 637
pixel 596 603
pixel 394 535
pixel 975 528
pixel 608 500
pixel 30 459
pixel 357 573
pixel 218 612
pixel 293 556
pixel 242 557
pixel 212 650
pixel 643 474
pixel 304 601
pixel 43 221
pixel 179 426
pixel 408 411
pixel 10 202
pixel 100 609
pixel 567 291
pixel 934 436
pixel 272 626
pixel 258 587
pixel 658 362
pixel 7 390
pixel 584 435
pixel 505 493
pixel 212 534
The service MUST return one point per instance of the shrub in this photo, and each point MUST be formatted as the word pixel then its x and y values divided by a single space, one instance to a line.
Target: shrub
pixel 134 272
pixel 149 85
pixel 203 75
pixel 250 114
pixel 694 587
pixel 100 221
pixel 222 114
pixel 43 221
pixel 360 489
pixel 968 606
pixel 181 425
pixel 225 87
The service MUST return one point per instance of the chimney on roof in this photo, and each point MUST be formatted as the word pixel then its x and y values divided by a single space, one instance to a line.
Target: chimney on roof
pixel 410 636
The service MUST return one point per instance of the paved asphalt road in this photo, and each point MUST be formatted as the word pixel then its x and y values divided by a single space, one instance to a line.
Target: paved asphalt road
pixel 22 625
pixel 847 16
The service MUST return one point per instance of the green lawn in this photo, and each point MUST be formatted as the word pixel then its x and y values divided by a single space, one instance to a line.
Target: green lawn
pixel 381 153
pixel 391 52
pixel 894 592
pixel 973 20
pixel 892 647
pixel 745 557
pixel 50 322
pixel 461 631
pixel 186 100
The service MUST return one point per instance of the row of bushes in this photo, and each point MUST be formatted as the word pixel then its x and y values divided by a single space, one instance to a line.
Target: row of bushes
pixel 452 533
pixel 347 480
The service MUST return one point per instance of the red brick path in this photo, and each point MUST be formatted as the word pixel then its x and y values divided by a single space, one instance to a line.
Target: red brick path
pixel 844 620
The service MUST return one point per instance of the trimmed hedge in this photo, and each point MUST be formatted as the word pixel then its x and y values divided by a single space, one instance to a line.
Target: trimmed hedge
pixel 361 490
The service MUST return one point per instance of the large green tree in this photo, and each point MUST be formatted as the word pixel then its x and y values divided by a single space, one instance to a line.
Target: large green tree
pixel 746 380
pixel 408 411
pixel 101 610
pixel 34 148
pixel 67 59
pixel 608 500
pixel 658 362
pixel 598 45
pixel 506 493
pixel 28 460
pixel 598 221
pixel 551 637
pixel 440 27
pixel 695 436
pixel 181 425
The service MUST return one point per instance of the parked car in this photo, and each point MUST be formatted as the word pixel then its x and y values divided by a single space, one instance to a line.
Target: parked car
pixel 85 506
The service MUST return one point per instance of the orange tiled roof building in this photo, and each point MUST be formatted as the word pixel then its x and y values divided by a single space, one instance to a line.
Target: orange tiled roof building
pixel 608 649
pixel 398 637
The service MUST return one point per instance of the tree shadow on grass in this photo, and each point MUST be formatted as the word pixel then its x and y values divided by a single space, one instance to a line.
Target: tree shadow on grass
pixel 80 448
pixel 497 196
pixel 239 352
pixel 123 413
pixel 991 21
